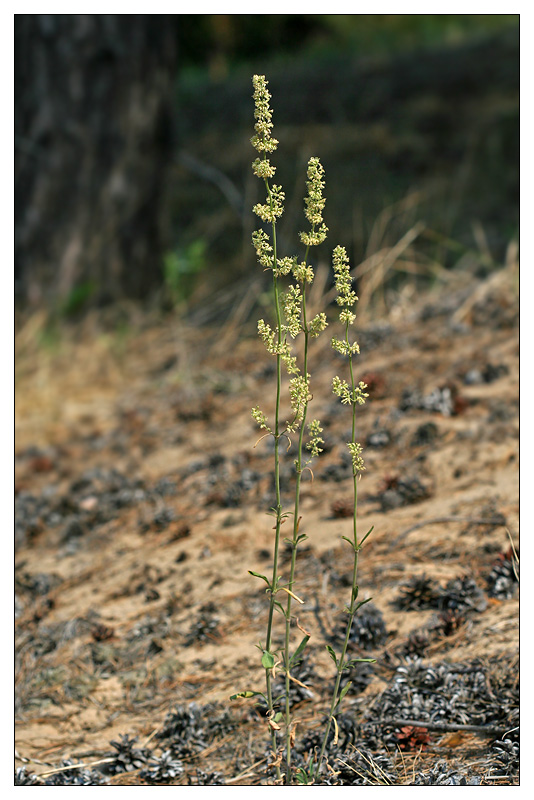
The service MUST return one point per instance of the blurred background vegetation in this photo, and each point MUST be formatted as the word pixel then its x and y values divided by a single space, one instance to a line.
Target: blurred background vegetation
pixel 133 152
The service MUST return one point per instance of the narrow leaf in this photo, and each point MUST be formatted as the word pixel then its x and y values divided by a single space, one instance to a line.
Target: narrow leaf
pixel 354 661
pixel 361 603
pixel 332 654
pixel 299 649
pixel 343 692
pixel 280 608
pixel 366 535
pixel 304 777
pixel 257 575
pixel 246 695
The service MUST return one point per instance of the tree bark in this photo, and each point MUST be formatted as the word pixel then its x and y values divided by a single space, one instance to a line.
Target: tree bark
pixel 93 137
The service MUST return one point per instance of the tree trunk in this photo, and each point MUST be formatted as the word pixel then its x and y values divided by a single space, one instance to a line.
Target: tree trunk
pixel 93 134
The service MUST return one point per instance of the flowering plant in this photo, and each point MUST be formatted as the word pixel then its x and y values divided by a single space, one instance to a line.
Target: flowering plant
pixel 291 321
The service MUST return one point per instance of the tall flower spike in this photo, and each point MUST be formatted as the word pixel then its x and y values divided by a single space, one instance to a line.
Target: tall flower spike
pixel 292 302
pixel 299 393
pixel 340 262
pixel 315 430
pixel 356 450
pixel 315 203
pixel 262 139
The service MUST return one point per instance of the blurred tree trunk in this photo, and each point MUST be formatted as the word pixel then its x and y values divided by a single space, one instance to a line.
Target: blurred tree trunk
pixel 93 137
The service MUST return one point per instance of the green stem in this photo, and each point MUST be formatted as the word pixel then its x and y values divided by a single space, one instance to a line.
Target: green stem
pixel 354 590
pixel 278 502
pixel 294 543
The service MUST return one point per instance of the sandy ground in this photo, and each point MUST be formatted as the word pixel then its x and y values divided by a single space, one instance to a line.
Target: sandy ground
pixel 141 505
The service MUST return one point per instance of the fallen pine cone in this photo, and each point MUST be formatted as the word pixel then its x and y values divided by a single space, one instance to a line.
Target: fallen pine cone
pixel 102 633
pixel 411 737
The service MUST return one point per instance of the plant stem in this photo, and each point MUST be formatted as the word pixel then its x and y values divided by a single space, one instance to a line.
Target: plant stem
pixel 296 521
pixel 354 590
pixel 278 502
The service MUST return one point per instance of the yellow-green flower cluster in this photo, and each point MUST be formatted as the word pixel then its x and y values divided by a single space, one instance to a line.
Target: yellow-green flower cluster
pixel 345 348
pixel 342 390
pixel 286 264
pixel 299 394
pixel 268 337
pixel 345 298
pixel 303 273
pixel 289 360
pixel 340 262
pixel 292 301
pixel 263 248
pixel 318 324
pixel 262 139
pixel 262 168
pixel 356 452
pixel 347 317
pixel 260 418
pixel 314 432
pixel 315 203
pixel 273 207
pixel 266 334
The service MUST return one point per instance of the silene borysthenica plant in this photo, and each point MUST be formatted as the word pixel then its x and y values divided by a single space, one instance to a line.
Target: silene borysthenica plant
pixel 278 652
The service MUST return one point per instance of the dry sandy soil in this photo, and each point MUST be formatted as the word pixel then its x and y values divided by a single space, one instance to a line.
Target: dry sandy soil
pixel 140 508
